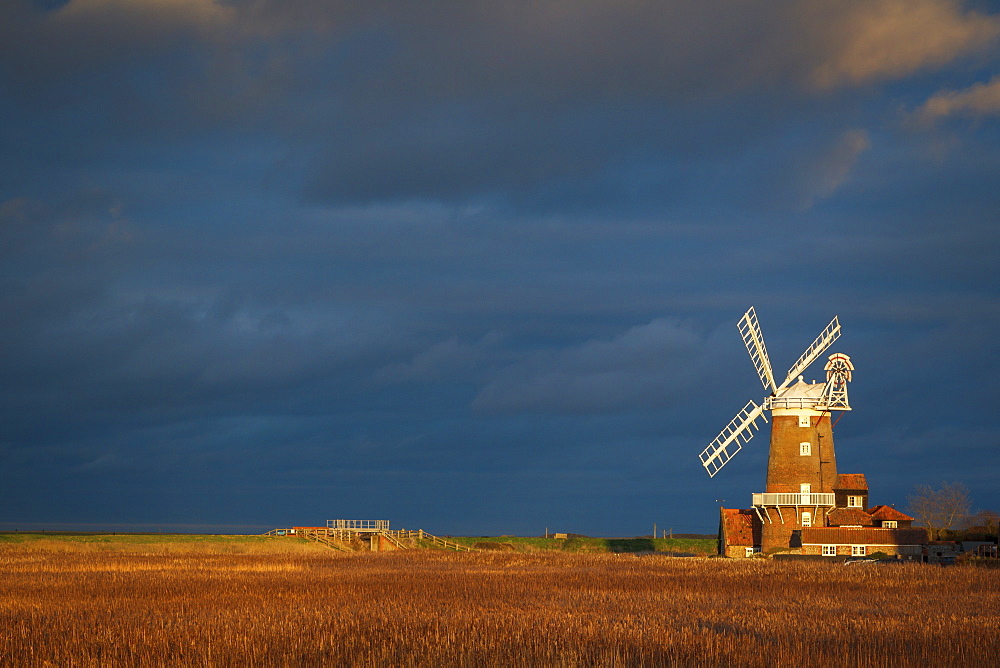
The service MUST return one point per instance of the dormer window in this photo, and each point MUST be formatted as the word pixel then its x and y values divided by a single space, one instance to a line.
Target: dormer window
pixel 855 501
pixel 889 524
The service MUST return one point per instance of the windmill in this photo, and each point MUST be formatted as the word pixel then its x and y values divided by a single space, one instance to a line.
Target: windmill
pixel 806 508
pixel 799 461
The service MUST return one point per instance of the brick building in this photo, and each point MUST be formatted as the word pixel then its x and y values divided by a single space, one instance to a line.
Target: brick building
pixel 820 524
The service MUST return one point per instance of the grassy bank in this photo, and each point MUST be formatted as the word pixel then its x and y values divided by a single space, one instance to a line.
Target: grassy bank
pixel 236 543
pixel 676 546
pixel 157 543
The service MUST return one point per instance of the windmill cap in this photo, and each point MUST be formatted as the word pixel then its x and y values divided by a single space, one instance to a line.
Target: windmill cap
pixel 802 389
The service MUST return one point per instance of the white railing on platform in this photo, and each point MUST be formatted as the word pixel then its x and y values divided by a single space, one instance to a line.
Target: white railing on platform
pixel 358 525
pixel 795 403
pixel 814 499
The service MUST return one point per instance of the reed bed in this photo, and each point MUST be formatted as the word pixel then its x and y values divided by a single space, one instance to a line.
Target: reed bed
pixel 147 605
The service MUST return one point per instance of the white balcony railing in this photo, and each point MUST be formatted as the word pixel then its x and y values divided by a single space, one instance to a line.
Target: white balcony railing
pixel 358 525
pixel 795 403
pixel 814 499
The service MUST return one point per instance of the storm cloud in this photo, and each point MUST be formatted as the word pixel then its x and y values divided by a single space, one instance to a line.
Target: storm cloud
pixel 476 267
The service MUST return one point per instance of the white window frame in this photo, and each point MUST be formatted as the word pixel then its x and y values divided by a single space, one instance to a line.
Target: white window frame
pixel 804 421
pixel 805 449
pixel 854 501
pixel 859 551
pixel 807 519
pixel 829 551
pixel 889 524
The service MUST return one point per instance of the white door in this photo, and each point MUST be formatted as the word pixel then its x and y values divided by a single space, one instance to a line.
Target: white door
pixel 804 489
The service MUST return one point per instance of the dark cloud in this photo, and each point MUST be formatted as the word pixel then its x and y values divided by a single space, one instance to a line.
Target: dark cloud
pixel 387 102
pixel 477 268
pixel 652 365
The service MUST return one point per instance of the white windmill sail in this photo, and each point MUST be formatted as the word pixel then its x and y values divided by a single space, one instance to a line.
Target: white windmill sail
pixel 731 439
pixel 754 340
pixel 822 342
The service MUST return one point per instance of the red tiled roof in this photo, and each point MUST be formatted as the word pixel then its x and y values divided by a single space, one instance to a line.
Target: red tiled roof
pixel 887 513
pixel 738 526
pixel 840 517
pixel 851 482
pixel 863 536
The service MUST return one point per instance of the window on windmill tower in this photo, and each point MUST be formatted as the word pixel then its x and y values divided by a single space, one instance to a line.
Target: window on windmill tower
pixel 805 448
pixel 807 519
pixel 804 421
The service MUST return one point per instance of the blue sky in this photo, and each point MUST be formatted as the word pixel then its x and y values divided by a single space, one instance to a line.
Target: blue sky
pixel 477 267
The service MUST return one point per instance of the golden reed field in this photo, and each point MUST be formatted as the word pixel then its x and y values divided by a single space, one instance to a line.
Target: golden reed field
pixel 288 603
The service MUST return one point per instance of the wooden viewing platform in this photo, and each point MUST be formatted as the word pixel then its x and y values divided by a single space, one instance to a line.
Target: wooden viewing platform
pixel 355 537
pixel 368 526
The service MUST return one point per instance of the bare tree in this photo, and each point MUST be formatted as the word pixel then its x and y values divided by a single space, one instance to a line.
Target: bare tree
pixel 984 522
pixel 940 509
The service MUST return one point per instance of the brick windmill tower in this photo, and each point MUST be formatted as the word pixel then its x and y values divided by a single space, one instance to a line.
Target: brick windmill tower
pixel 802 481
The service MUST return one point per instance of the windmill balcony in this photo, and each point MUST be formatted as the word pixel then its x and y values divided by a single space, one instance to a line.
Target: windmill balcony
pixel 814 499
pixel 795 403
